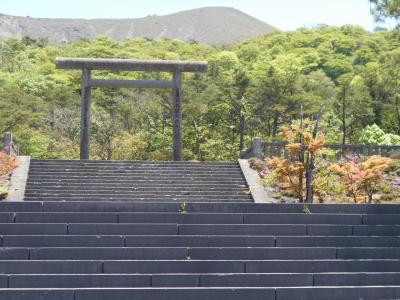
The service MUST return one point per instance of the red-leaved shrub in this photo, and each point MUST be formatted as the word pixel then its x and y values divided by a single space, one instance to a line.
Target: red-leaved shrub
pixel 7 163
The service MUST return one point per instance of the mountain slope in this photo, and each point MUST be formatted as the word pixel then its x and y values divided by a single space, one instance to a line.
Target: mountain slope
pixel 209 25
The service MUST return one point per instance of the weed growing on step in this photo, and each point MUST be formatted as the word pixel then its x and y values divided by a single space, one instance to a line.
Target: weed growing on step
pixel 183 208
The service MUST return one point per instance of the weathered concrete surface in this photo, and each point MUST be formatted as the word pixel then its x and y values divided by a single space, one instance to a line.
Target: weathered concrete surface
pixel 253 181
pixel 19 178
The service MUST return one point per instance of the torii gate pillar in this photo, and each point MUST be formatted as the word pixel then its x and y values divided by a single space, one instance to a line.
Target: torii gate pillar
pixel 177 116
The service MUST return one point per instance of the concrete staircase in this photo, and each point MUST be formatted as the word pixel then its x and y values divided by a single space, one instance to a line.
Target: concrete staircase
pixel 151 231
pixel 54 180
pixel 86 250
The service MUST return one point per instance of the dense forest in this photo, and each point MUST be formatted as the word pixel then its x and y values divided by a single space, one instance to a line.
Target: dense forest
pixel 251 89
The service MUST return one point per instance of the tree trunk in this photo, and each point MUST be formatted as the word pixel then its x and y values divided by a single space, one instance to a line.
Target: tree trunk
pixel 344 117
pixel 275 124
pixel 310 179
pixel 398 113
pixel 269 129
pixel 369 197
pixel 311 164
pixel 301 156
pixel 241 128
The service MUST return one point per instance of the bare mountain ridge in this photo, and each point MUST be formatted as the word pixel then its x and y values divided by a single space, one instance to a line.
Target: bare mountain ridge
pixel 209 25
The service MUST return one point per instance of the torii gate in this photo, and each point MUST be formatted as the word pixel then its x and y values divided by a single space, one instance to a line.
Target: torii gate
pixel 89 64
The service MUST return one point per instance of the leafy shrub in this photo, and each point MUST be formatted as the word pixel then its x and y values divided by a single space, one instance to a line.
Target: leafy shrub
pixel 258 164
pixel 7 163
pixel 375 135
pixel 34 143
pixel 325 183
pixel 361 179
pixel 288 175
pixel 129 147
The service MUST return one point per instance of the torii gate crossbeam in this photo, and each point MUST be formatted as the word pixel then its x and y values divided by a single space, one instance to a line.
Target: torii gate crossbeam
pixel 89 64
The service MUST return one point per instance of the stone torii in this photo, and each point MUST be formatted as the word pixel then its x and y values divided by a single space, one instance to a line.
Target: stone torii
pixel 89 64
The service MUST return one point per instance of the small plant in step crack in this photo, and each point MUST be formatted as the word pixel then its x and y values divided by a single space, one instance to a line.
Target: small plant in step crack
pixel 183 208
pixel 306 210
pixel 247 192
pixel 188 257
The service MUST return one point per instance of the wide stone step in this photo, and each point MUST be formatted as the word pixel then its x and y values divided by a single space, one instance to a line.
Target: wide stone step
pixel 230 253
pixel 179 179
pixel 130 172
pixel 150 176
pixel 181 253
pixel 144 199
pixel 138 186
pixel 115 192
pixel 198 280
pixel 300 293
pixel 137 169
pixel 62 240
pixel 37 162
pixel 121 187
pixel 141 169
pixel 124 178
pixel 196 266
pixel 93 206
pixel 134 166
pixel 131 162
pixel 185 217
pixel 91 225
pixel 157 280
pixel 137 181
pixel 47 240
pixel 338 223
